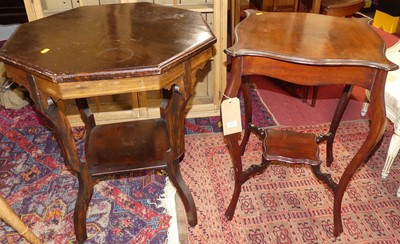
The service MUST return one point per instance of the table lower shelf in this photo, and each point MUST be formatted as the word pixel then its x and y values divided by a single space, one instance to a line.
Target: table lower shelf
pixel 291 147
pixel 127 146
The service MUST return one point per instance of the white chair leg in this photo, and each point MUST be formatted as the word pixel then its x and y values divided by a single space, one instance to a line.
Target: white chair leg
pixel 364 108
pixel 392 153
pixel 365 105
pixel 398 192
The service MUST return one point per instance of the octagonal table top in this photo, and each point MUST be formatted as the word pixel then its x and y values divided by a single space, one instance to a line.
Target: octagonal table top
pixel 107 41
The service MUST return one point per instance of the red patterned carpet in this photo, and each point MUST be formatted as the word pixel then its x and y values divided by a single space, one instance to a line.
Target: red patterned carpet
pixel 289 109
pixel 287 204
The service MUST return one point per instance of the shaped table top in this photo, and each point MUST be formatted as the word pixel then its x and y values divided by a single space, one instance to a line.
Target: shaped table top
pixel 108 41
pixel 310 39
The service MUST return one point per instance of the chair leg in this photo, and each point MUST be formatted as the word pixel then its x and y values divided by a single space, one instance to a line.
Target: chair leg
pixel 364 108
pixel 314 96
pixel 394 148
pixel 295 6
pixel 398 192
pixel 305 93
pixel 274 5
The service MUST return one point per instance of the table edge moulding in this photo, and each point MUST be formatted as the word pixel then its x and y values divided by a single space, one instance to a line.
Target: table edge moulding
pixel 155 143
pixel 305 49
pixel 142 105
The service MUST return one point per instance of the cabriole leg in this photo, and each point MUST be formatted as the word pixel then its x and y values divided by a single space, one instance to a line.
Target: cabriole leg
pixel 175 176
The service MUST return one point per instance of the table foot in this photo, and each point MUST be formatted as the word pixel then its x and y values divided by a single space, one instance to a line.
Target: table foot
pixel 174 175
pixel 82 204
pixel 230 211
pixel 337 216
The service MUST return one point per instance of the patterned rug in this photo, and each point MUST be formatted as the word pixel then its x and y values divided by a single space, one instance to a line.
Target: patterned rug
pixel 287 204
pixel 40 190
pixel 36 184
pixel 261 116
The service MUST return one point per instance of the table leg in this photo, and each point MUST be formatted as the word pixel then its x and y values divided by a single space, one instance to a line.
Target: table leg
pixel 235 153
pixel 341 107
pixel 183 191
pixel 248 112
pixel 60 123
pixel 86 114
pixel 82 203
pixel 235 150
pixel 84 178
pixel 232 140
pixel 377 128
pixel 69 151
pixel 173 111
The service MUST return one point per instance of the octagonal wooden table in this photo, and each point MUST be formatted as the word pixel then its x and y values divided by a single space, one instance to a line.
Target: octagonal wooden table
pixel 306 49
pixel 113 49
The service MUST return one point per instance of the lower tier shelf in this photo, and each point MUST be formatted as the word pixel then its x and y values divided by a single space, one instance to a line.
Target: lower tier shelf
pixel 291 147
pixel 127 146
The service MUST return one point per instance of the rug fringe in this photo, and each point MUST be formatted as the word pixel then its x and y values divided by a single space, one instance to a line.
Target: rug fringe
pixel 167 200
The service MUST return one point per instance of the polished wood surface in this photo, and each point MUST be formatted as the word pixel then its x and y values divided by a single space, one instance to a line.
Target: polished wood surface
pixel 340 8
pixel 110 147
pixel 125 107
pixel 306 49
pixel 84 89
pixel 120 48
pixel 291 147
pixel 309 39
pixel 91 42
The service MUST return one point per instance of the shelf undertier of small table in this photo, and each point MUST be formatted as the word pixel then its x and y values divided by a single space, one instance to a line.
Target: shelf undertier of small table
pixel 127 146
pixel 291 147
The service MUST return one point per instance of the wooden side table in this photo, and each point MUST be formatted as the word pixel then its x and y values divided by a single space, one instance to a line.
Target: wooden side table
pixel 306 49
pixel 114 49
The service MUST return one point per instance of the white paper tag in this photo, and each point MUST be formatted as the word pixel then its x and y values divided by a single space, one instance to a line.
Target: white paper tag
pixel 231 118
